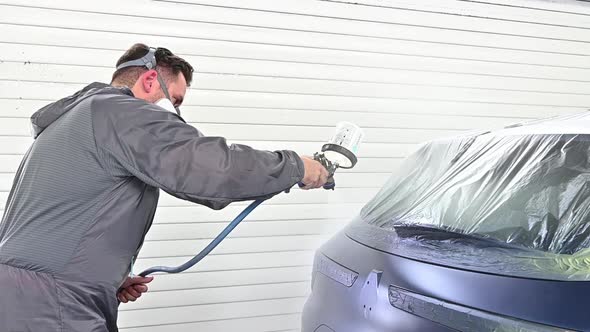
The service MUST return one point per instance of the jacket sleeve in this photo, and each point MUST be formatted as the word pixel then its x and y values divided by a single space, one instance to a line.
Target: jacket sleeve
pixel 160 149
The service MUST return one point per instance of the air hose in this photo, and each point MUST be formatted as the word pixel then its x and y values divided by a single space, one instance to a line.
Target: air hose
pixel 220 237
pixel 339 152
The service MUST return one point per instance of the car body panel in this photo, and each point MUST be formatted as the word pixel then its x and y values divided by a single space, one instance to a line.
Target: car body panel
pixel 554 303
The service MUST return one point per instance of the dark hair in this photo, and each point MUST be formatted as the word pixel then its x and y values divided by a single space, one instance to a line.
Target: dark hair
pixel 167 63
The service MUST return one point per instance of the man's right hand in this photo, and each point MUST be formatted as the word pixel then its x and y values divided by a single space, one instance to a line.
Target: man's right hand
pixel 316 175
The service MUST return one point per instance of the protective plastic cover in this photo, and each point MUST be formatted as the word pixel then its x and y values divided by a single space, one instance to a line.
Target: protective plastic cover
pixel 527 186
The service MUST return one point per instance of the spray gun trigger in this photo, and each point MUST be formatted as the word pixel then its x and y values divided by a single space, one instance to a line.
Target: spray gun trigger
pixel 330 167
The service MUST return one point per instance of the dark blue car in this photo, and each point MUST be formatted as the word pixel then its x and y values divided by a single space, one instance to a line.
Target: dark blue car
pixel 486 232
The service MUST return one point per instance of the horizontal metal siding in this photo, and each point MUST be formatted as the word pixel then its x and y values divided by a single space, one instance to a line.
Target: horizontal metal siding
pixel 279 75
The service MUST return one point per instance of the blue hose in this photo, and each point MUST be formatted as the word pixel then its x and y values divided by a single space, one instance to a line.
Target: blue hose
pixel 208 248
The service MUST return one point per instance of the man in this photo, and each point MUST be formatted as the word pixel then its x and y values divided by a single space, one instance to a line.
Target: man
pixel 86 192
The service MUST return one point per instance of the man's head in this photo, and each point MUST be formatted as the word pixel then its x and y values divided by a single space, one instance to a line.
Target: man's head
pixel 177 75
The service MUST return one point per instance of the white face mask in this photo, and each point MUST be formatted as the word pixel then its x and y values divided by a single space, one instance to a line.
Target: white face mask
pixel 166 104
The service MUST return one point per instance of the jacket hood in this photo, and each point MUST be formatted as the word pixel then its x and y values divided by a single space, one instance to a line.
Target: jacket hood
pixel 48 114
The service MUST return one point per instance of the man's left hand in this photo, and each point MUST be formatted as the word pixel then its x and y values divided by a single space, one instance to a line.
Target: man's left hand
pixel 133 287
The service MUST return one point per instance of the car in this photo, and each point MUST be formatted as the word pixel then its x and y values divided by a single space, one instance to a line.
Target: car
pixel 485 231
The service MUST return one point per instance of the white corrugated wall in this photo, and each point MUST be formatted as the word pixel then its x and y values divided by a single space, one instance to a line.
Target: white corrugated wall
pixel 280 74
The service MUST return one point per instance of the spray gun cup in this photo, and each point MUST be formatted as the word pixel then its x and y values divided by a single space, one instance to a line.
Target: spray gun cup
pixel 339 155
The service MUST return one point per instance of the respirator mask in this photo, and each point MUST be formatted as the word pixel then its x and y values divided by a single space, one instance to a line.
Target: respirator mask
pixel 166 104
pixel 149 61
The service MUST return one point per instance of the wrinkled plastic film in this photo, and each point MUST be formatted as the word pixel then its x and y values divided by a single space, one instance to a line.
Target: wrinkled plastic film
pixel 471 253
pixel 527 186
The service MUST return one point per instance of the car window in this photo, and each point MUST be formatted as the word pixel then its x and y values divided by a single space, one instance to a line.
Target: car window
pixel 525 188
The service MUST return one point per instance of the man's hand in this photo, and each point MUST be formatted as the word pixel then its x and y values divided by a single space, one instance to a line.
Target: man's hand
pixel 316 174
pixel 133 287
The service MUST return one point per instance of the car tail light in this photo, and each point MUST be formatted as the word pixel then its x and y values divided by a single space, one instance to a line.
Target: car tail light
pixel 331 269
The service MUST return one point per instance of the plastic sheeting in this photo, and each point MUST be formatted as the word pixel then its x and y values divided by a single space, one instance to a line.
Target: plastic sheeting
pixel 527 186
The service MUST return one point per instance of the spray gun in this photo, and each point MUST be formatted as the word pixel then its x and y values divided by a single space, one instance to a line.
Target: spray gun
pixel 339 152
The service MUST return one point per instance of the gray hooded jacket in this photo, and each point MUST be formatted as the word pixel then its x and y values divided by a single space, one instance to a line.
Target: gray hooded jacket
pixel 85 195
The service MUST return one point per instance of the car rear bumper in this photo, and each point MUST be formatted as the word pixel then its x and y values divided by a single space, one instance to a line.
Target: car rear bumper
pixel 358 288
pixel 337 306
